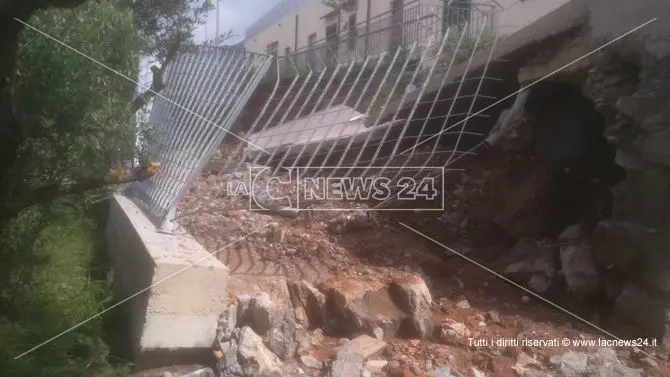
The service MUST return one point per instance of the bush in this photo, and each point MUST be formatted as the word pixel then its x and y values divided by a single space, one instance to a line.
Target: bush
pixel 76 113
pixel 52 281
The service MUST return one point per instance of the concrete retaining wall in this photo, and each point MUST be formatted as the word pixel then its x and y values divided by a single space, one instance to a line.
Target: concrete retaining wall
pixel 174 320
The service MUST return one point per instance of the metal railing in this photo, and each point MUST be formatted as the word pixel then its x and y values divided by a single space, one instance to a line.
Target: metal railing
pixel 365 105
pixel 332 110
pixel 417 22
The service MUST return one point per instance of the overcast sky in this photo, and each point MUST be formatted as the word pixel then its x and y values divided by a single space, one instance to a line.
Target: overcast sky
pixel 235 15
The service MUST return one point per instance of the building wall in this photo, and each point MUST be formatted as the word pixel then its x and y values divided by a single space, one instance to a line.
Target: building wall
pixel 518 14
pixel 310 20
pixel 283 31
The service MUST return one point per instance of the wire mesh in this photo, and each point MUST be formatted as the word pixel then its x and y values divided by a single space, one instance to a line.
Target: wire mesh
pixel 359 105
pixel 206 90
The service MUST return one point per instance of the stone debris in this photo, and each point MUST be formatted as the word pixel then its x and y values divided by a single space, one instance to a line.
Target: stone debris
pixel 309 302
pixel 413 297
pixel 271 318
pixel 526 365
pixel 311 362
pixel 577 264
pixel 254 357
pixel 571 364
pixel 375 366
pixel 364 346
pixel 452 332
pixel 400 307
pixel 204 372
pixel 346 365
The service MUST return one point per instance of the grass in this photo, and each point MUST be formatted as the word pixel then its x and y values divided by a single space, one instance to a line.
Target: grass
pixel 51 279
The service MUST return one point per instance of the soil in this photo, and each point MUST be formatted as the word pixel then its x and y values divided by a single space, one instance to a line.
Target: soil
pixel 458 263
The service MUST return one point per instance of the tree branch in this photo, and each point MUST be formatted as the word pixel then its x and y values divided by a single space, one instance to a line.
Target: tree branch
pixel 158 75
pixel 115 176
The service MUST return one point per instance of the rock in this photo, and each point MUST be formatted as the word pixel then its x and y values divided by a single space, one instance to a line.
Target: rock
pixel 453 332
pixel 352 222
pixel 317 337
pixel 643 199
pixel 526 365
pixel 229 366
pixel 310 300
pixel 393 367
pixel 375 366
pixel 607 364
pixel 571 233
pixel 635 299
pixel 311 362
pixel 445 371
pixel 364 346
pixel 254 357
pixel 407 372
pixel 282 340
pixel 227 323
pixel 533 264
pixel 629 162
pixel 262 311
pixel 578 267
pixel 275 320
pixel 412 296
pixel 463 304
pixel 205 372
pixel 532 256
pixel 366 373
pixel 494 316
pixel 649 362
pixel 358 306
pixel 525 212
pixel 539 283
pixel 346 365
pixel 571 364
pixel 622 244
pixel 656 148
pixel 378 333
pixel 478 373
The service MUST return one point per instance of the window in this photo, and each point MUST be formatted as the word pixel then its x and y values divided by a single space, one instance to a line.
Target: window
pixel 273 48
pixel 457 13
pixel 331 33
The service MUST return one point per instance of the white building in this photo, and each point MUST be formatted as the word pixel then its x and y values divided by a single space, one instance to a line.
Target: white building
pixel 300 24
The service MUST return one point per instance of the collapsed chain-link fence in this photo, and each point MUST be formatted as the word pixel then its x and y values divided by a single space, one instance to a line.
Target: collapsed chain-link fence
pixel 391 98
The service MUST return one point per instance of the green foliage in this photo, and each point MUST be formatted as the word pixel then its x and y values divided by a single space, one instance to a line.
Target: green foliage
pixel 53 281
pixel 162 23
pixel 76 116
pixel 77 111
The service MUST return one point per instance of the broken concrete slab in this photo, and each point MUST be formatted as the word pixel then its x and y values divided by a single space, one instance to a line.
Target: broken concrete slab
pixel 365 346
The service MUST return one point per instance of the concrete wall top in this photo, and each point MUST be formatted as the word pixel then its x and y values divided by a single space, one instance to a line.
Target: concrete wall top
pixel 166 248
